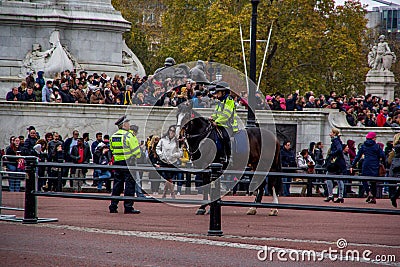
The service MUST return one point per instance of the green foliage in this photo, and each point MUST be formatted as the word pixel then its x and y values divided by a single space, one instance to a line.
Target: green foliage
pixel 138 38
pixel 207 30
pixel 319 47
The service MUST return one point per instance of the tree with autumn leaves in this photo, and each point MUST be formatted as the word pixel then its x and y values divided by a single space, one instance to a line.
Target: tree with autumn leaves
pixel 314 46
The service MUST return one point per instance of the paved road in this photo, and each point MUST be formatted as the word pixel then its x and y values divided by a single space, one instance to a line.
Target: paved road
pixel 164 235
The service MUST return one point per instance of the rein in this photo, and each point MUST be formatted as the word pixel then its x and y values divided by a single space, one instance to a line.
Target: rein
pixel 205 133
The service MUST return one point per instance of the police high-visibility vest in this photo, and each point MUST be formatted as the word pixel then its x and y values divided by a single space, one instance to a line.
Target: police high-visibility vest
pixel 137 146
pixel 124 145
pixel 225 114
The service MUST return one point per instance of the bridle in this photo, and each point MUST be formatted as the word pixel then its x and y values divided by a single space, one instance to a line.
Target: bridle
pixel 203 135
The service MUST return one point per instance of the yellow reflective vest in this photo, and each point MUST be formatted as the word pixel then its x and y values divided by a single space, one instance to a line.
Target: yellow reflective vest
pixel 225 114
pixel 124 145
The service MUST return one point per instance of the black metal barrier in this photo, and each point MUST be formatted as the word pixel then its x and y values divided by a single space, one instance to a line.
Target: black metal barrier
pixel 215 171
pixel 187 171
pixel 30 186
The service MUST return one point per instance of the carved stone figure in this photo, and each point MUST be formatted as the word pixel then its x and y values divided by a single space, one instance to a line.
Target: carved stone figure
pixel 371 57
pixel 197 73
pixel 130 62
pixel 381 57
pixel 56 59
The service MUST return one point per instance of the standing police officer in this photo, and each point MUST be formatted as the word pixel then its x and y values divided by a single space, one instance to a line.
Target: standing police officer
pixel 225 117
pixel 125 149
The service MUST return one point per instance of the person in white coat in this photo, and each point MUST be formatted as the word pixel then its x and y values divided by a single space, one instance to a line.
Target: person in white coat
pixel 305 162
pixel 169 153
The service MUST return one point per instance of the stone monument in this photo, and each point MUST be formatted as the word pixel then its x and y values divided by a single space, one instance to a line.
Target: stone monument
pixel 54 35
pixel 380 80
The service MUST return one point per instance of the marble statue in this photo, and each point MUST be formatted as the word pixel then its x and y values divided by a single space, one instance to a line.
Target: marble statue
pixel 379 80
pixel 381 57
pixel 197 72
pixel 52 61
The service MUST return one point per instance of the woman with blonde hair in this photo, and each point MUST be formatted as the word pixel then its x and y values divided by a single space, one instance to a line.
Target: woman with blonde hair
pixel 139 99
pixel 394 170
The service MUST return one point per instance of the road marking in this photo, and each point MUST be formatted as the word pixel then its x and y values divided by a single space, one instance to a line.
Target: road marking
pixel 202 240
pixel 280 239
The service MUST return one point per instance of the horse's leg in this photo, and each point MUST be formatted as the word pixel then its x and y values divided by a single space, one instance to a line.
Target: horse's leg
pixel 202 209
pixel 259 195
pixel 274 212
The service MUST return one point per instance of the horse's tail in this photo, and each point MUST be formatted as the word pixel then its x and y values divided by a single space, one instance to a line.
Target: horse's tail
pixel 276 166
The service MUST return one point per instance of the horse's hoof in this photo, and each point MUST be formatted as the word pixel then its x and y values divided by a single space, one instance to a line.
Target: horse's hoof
pixel 273 212
pixel 252 211
pixel 201 212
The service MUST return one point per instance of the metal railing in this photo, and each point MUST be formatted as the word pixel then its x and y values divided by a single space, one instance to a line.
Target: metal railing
pixel 214 171
pixel 8 175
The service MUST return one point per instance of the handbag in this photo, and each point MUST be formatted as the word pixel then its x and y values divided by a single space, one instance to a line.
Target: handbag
pixel 395 165
pixel 332 165
pixel 382 170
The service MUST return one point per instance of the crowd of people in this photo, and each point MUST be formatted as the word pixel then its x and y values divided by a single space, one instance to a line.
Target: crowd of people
pixel 171 87
pixel 69 87
pixel 180 86
pixel 343 157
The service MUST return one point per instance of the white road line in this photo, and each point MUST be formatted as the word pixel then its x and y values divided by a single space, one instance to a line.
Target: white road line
pixel 280 239
pixel 202 240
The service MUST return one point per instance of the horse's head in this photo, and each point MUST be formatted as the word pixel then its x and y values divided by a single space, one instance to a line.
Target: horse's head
pixel 184 115
pixel 201 149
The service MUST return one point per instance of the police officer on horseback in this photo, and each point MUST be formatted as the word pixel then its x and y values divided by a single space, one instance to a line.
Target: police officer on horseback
pixel 225 117
pixel 169 62
pixel 126 150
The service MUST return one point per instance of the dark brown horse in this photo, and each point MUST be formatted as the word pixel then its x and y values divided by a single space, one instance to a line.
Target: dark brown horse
pixel 256 148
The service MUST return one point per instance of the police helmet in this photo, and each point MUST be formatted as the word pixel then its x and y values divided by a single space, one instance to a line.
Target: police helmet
pixel 201 63
pixel 222 86
pixel 121 120
pixel 169 61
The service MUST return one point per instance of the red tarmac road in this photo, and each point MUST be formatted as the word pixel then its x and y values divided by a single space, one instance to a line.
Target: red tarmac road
pixel 163 235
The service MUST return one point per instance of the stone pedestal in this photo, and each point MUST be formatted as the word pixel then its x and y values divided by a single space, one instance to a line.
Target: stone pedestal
pixel 91 30
pixel 380 83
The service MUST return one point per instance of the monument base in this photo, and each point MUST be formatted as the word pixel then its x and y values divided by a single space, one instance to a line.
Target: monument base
pixel 88 31
pixel 380 83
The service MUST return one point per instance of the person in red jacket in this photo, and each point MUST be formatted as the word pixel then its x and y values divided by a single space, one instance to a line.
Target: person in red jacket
pixel 382 117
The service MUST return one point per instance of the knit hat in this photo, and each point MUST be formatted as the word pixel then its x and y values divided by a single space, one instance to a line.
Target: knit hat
pixel 371 135
pixel 268 98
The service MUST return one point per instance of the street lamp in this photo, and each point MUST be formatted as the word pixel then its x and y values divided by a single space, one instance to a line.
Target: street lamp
pixel 251 118
pixel 211 69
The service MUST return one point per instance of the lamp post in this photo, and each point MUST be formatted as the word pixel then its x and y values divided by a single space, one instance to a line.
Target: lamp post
pixel 218 74
pixel 211 69
pixel 251 118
